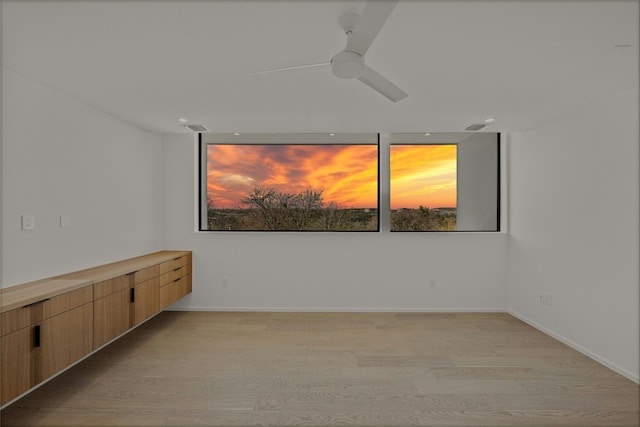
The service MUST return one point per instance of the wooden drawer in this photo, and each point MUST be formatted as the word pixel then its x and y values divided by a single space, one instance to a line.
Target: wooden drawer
pixel 181 261
pixel 174 274
pixel 168 294
pixel 175 290
pixel 65 302
pixel 13 320
pixel 145 274
pixel 111 286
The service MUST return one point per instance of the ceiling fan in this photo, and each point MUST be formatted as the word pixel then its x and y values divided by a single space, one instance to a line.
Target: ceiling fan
pixel 350 63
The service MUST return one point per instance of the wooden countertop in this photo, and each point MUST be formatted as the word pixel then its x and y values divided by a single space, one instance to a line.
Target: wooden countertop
pixel 38 291
pixel 27 293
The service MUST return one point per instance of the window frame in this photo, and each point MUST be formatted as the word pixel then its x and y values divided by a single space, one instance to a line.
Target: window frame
pixel 202 219
pixel 383 186
pixel 498 189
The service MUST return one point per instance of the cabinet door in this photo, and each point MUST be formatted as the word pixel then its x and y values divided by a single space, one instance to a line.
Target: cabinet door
pixel 146 300
pixel 110 317
pixel 18 357
pixel 64 339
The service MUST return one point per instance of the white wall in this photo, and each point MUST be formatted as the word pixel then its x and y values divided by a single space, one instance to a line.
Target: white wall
pixel 477 204
pixel 574 229
pixel 61 156
pixel 327 271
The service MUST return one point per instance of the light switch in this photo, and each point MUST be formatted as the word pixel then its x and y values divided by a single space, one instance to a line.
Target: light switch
pixel 28 222
pixel 65 221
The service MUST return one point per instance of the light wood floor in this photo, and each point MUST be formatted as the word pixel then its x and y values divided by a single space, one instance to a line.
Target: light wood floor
pixel 384 369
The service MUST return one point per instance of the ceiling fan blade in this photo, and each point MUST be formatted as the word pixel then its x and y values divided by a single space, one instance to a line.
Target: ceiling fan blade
pixel 383 86
pixel 369 24
pixel 295 67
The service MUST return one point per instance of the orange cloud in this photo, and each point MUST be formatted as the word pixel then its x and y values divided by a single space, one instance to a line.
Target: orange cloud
pixel 348 174
pixel 423 175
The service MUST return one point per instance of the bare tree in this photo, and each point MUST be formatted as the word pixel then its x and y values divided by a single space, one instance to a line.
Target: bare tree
pixel 266 202
pixel 304 205
pixel 284 211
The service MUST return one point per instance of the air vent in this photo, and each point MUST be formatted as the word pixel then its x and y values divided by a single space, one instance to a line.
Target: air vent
pixel 197 128
pixel 476 126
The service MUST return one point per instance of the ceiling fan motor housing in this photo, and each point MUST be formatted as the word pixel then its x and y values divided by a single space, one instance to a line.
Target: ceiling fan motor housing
pixel 347 65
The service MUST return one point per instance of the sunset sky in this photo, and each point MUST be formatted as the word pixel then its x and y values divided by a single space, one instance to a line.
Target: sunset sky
pixel 348 174
pixel 423 175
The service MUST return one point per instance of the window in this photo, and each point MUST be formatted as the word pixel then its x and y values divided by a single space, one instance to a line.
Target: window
pixel 289 182
pixel 330 182
pixel 444 182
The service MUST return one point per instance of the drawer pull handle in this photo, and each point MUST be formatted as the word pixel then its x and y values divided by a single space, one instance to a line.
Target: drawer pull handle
pixel 176 269
pixel 34 303
pixel 36 336
pixel 178 279
pixel 133 294
pixel 175 259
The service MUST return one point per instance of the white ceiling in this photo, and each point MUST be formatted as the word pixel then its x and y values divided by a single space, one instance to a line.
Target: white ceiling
pixel 150 62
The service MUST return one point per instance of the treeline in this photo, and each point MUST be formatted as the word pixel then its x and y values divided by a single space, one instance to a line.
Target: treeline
pixel 270 210
pixel 423 219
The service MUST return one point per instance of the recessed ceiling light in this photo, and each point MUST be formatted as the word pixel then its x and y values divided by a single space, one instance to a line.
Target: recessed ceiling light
pixel 183 120
pixel 490 120
pixel 427 134
pixel 332 134
pixel 475 127
pixel 236 133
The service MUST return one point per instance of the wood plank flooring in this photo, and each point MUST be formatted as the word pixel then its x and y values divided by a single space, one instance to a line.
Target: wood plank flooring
pixel 313 369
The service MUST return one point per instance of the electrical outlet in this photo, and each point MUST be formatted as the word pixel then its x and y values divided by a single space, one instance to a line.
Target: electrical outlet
pixel 545 299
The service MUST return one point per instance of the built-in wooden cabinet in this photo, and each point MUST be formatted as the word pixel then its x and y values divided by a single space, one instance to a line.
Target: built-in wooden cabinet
pixel 43 337
pixel 48 325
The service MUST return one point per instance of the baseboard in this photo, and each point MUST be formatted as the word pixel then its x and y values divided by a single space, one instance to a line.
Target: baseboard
pixel 346 309
pixel 603 361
